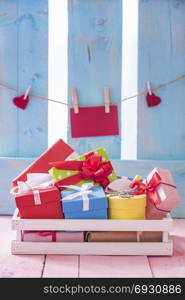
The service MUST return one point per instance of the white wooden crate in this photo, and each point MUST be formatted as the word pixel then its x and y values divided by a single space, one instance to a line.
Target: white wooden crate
pixel 125 248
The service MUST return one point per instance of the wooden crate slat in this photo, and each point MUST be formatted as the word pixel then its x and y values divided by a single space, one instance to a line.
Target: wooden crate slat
pixel 96 225
pixel 138 248
pixel 92 248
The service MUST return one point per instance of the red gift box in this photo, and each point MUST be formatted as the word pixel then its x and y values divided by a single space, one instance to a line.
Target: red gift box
pixel 59 151
pixel 40 204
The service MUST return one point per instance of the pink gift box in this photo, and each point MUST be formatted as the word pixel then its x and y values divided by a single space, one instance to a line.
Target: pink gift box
pixel 166 192
pixel 53 236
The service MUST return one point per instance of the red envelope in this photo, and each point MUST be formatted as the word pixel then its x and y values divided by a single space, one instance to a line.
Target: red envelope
pixel 59 151
pixel 94 121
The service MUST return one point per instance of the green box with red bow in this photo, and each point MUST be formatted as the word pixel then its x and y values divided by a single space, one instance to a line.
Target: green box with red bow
pixel 92 166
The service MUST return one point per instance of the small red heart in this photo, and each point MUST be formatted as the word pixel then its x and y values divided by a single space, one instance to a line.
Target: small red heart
pixel 152 100
pixel 21 102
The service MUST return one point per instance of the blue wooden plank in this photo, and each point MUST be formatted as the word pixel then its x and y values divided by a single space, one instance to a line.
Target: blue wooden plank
pixel 23 61
pixel 95 43
pixel 33 69
pixel 8 75
pixel 161 58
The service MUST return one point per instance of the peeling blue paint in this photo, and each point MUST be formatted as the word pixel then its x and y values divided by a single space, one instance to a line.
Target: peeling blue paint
pixel 27 18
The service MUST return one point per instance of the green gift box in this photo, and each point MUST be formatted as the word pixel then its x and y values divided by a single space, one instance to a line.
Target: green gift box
pixel 92 166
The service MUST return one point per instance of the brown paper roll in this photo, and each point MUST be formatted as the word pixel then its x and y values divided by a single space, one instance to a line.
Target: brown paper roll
pixel 124 236
pixel 112 236
pixel 151 236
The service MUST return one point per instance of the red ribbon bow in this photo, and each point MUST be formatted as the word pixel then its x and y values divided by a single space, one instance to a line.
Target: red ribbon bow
pixel 94 168
pixel 148 188
pixel 91 168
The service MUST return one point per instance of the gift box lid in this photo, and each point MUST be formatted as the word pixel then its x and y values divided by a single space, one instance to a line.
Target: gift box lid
pixel 59 151
pixel 97 200
pixel 47 195
pixel 59 174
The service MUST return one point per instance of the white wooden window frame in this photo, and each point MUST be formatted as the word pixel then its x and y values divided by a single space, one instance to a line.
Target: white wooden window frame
pixel 57 69
pixel 58 73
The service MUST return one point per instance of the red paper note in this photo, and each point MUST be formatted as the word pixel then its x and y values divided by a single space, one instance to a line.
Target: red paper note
pixel 93 121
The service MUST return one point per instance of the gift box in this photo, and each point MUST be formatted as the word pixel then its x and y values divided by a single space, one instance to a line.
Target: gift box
pixel 123 236
pixel 92 166
pixel 59 151
pixel 85 202
pixel 53 236
pixel 162 195
pixel 127 208
pixel 40 204
pixel 37 198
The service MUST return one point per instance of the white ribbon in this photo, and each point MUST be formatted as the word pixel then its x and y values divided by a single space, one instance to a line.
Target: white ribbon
pixel 83 191
pixel 34 183
pixel 36 196
pixel 159 188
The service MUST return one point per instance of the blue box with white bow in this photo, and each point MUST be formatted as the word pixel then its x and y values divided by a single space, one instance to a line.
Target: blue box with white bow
pixel 85 202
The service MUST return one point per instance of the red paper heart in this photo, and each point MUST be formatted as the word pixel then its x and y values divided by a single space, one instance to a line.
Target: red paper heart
pixel 21 102
pixel 152 100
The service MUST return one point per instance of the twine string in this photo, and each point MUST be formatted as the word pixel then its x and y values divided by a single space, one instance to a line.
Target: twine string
pixel 112 102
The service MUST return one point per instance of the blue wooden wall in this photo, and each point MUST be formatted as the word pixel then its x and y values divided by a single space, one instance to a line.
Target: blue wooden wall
pixel 94 62
pixel 95 47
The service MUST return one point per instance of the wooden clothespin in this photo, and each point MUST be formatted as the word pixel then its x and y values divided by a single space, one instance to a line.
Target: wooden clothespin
pixel 75 101
pixel 27 92
pixel 149 88
pixel 107 99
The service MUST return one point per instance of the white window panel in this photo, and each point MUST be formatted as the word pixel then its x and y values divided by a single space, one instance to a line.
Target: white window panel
pixel 58 70
pixel 129 78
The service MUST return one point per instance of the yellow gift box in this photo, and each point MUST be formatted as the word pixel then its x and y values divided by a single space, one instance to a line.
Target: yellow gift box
pixel 131 208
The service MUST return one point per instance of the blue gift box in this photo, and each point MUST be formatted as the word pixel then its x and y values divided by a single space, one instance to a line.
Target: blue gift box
pixel 98 204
